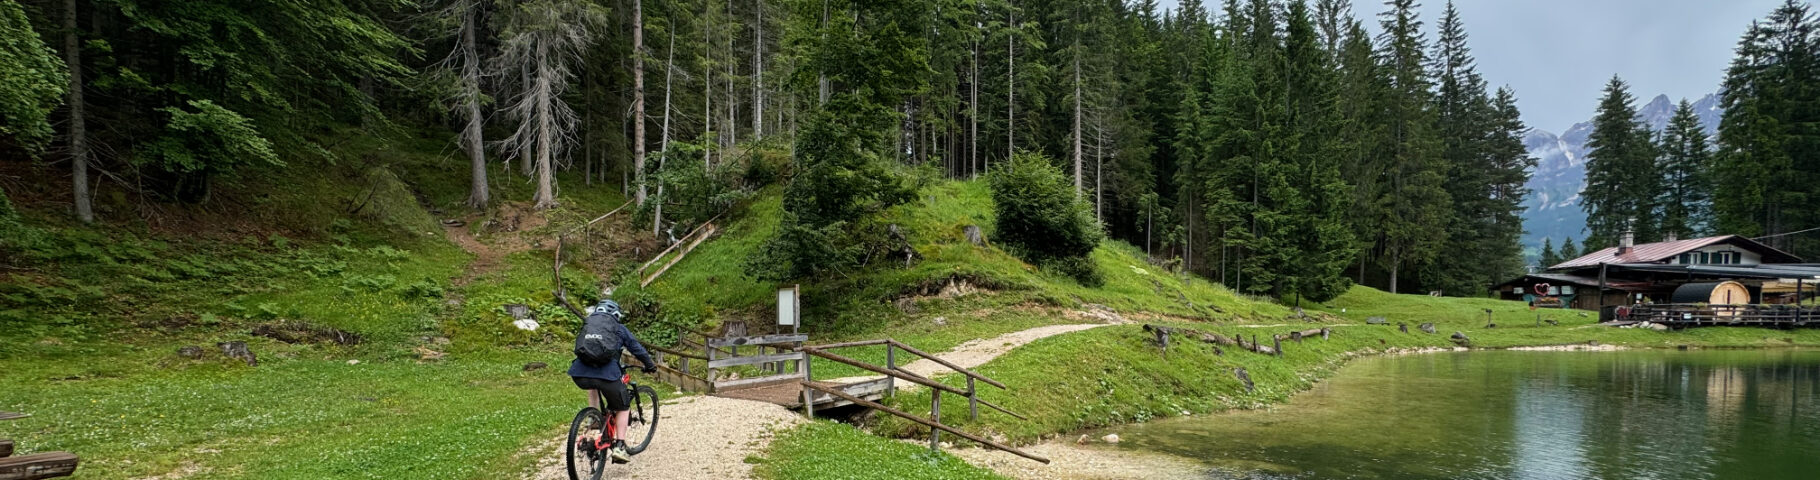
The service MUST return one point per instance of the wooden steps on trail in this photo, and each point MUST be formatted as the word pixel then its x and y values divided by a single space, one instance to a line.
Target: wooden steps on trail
pixel 38 465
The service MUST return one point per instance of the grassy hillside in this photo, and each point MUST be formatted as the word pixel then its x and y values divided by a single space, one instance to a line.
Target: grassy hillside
pixel 977 291
pixel 427 382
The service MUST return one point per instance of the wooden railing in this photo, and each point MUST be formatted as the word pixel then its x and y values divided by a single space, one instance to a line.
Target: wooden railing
pixel 1698 315
pixel 892 372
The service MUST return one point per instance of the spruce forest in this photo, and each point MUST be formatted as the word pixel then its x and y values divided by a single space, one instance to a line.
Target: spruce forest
pixel 1757 178
pixel 1275 147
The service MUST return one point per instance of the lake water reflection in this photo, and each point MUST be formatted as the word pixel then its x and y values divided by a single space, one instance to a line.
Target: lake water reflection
pixel 1525 415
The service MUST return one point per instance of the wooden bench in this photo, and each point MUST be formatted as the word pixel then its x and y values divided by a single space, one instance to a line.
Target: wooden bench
pixel 34 466
pixel 38 465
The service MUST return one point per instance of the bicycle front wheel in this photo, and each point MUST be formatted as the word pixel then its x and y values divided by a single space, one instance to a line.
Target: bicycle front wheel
pixel 643 422
pixel 586 461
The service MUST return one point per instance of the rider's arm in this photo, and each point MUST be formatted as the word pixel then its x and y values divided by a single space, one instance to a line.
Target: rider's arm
pixel 637 349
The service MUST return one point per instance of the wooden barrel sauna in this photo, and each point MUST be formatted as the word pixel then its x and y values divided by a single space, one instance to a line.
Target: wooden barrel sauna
pixel 1713 293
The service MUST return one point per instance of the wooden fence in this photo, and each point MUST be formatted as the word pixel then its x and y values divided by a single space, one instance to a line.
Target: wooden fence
pixel 1681 315
pixel 892 373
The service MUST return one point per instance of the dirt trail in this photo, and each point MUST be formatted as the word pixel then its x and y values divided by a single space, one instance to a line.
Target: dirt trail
pixel 486 259
pixel 1068 461
pixel 697 437
pixel 977 352
pixel 512 219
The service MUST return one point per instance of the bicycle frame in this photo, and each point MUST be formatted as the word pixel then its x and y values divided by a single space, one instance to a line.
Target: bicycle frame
pixel 610 429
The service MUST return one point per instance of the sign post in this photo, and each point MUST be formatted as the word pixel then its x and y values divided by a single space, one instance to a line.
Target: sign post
pixel 789 307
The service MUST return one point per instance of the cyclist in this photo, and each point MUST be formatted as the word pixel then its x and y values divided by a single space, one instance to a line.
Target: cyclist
pixel 604 380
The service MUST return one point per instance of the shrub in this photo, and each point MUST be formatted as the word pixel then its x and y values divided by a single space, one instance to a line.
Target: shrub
pixel 1040 219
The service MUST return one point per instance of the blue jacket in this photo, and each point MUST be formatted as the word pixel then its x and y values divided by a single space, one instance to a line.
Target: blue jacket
pixel 612 371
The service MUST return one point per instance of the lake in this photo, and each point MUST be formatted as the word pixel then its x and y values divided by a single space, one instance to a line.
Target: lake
pixel 1524 415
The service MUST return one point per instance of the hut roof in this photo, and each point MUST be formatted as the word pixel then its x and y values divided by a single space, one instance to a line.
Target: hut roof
pixel 1661 251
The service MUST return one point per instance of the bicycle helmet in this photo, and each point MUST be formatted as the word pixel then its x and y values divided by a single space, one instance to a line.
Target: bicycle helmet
pixel 608 306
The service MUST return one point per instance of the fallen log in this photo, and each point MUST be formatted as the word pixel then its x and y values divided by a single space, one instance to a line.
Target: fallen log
pixel 1298 336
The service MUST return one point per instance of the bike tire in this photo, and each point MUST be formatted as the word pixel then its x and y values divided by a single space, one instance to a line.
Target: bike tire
pixel 642 425
pixel 585 464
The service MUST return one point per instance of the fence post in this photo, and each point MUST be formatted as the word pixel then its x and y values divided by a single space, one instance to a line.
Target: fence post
pixel 808 400
pixel 713 373
pixel 935 413
pixel 890 364
pixel 973 400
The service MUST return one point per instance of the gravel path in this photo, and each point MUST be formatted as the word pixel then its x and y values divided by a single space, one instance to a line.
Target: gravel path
pixel 1068 461
pixel 697 437
pixel 710 437
pixel 977 352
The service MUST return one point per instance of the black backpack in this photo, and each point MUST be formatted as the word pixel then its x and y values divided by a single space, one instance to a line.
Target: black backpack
pixel 599 342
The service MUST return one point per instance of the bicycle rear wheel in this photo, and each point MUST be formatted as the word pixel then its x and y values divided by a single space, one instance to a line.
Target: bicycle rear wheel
pixel 585 461
pixel 643 422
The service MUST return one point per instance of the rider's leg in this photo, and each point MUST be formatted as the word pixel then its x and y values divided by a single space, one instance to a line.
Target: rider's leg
pixel 594 398
pixel 620 419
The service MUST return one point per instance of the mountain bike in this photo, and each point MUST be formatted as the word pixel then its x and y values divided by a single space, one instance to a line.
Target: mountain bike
pixel 591 434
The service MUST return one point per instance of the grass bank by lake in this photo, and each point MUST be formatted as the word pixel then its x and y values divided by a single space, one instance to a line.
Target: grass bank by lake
pixel 1117 375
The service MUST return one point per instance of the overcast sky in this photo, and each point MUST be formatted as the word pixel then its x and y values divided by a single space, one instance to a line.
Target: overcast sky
pixel 1558 54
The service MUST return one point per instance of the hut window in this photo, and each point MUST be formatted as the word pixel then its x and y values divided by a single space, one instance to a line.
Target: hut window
pixel 1567 290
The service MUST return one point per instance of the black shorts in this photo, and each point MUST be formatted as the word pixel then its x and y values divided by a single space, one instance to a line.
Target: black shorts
pixel 611 392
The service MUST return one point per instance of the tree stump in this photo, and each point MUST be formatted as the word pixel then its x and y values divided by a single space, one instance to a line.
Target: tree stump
pixel 1244 378
pixel 974 235
pixel 239 351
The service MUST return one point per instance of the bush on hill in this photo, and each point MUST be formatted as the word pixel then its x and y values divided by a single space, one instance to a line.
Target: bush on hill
pixel 1041 220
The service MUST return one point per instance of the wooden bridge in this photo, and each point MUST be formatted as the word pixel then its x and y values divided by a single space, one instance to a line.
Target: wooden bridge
pixel 785 377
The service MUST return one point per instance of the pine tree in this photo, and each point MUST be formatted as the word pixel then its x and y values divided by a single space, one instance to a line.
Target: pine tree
pixel 1548 257
pixel 1568 250
pixel 1686 186
pixel 34 83
pixel 1465 128
pixel 1767 170
pixel 1507 174
pixel 1621 178
pixel 1321 243
pixel 1411 209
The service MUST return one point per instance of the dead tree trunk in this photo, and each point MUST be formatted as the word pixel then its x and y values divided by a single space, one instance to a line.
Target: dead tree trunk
pixel 758 70
pixel 1011 87
pixel 1077 121
pixel 638 98
pixel 78 132
pixel 657 221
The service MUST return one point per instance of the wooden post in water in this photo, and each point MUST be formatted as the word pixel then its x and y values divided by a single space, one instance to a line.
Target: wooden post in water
pixel 935 413
pixel 973 400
